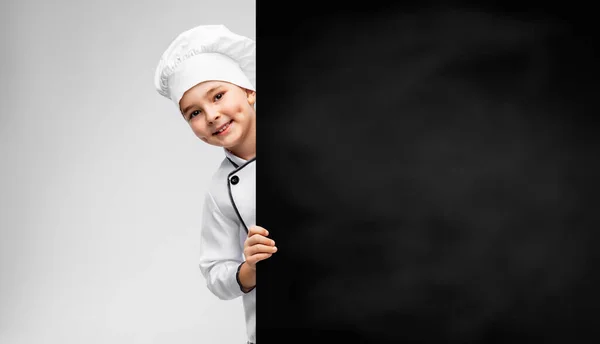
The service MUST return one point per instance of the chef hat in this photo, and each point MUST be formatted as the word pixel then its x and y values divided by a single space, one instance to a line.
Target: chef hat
pixel 207 52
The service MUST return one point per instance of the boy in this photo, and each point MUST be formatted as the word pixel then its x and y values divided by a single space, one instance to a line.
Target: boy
pixel 208 72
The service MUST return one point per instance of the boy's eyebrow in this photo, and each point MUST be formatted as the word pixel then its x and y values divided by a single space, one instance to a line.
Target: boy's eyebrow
pixel 183 112
pixel 192 105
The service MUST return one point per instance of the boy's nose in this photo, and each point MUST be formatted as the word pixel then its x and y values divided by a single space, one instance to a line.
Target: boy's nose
pixel 212 116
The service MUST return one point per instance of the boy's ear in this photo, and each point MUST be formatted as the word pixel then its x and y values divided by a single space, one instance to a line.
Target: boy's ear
pixel 251 96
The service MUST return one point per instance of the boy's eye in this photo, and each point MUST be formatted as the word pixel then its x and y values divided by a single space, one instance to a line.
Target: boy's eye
pixel 194 113
pixel 218 96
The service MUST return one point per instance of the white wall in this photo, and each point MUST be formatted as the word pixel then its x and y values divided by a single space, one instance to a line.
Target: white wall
pixel 101 182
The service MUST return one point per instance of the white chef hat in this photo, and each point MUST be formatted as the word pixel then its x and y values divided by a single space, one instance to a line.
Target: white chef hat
pixel 206 52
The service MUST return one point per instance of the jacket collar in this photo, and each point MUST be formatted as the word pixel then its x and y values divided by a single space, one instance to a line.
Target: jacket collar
pixel 236 159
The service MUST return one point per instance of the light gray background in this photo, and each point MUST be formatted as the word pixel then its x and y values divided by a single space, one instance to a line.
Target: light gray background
pixel 101 181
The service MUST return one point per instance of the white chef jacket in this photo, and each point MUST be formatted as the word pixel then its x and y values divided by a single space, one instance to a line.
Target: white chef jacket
pixel 229 210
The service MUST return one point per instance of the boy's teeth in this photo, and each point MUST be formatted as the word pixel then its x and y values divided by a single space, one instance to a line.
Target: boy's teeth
pixel 222 129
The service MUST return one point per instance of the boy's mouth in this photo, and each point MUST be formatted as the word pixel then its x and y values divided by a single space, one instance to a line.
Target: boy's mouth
pixel 222 129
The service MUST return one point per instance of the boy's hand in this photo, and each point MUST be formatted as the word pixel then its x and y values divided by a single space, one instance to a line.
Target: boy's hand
pixel 257 246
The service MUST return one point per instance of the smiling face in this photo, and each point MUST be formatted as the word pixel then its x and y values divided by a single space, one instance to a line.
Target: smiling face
pixel 222 114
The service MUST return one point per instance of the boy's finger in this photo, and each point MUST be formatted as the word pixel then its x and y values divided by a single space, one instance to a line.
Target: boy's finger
pixel 259 239
pixel 258 257
pixel 257 230
pixel 259 249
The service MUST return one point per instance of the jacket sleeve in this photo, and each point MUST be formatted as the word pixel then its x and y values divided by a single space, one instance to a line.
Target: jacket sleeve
pixel 220 251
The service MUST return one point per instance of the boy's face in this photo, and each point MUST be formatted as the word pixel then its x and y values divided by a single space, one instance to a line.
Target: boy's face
pixel 220 113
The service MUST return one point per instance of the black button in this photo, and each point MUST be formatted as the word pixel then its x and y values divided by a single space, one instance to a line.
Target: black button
pixel 235 180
